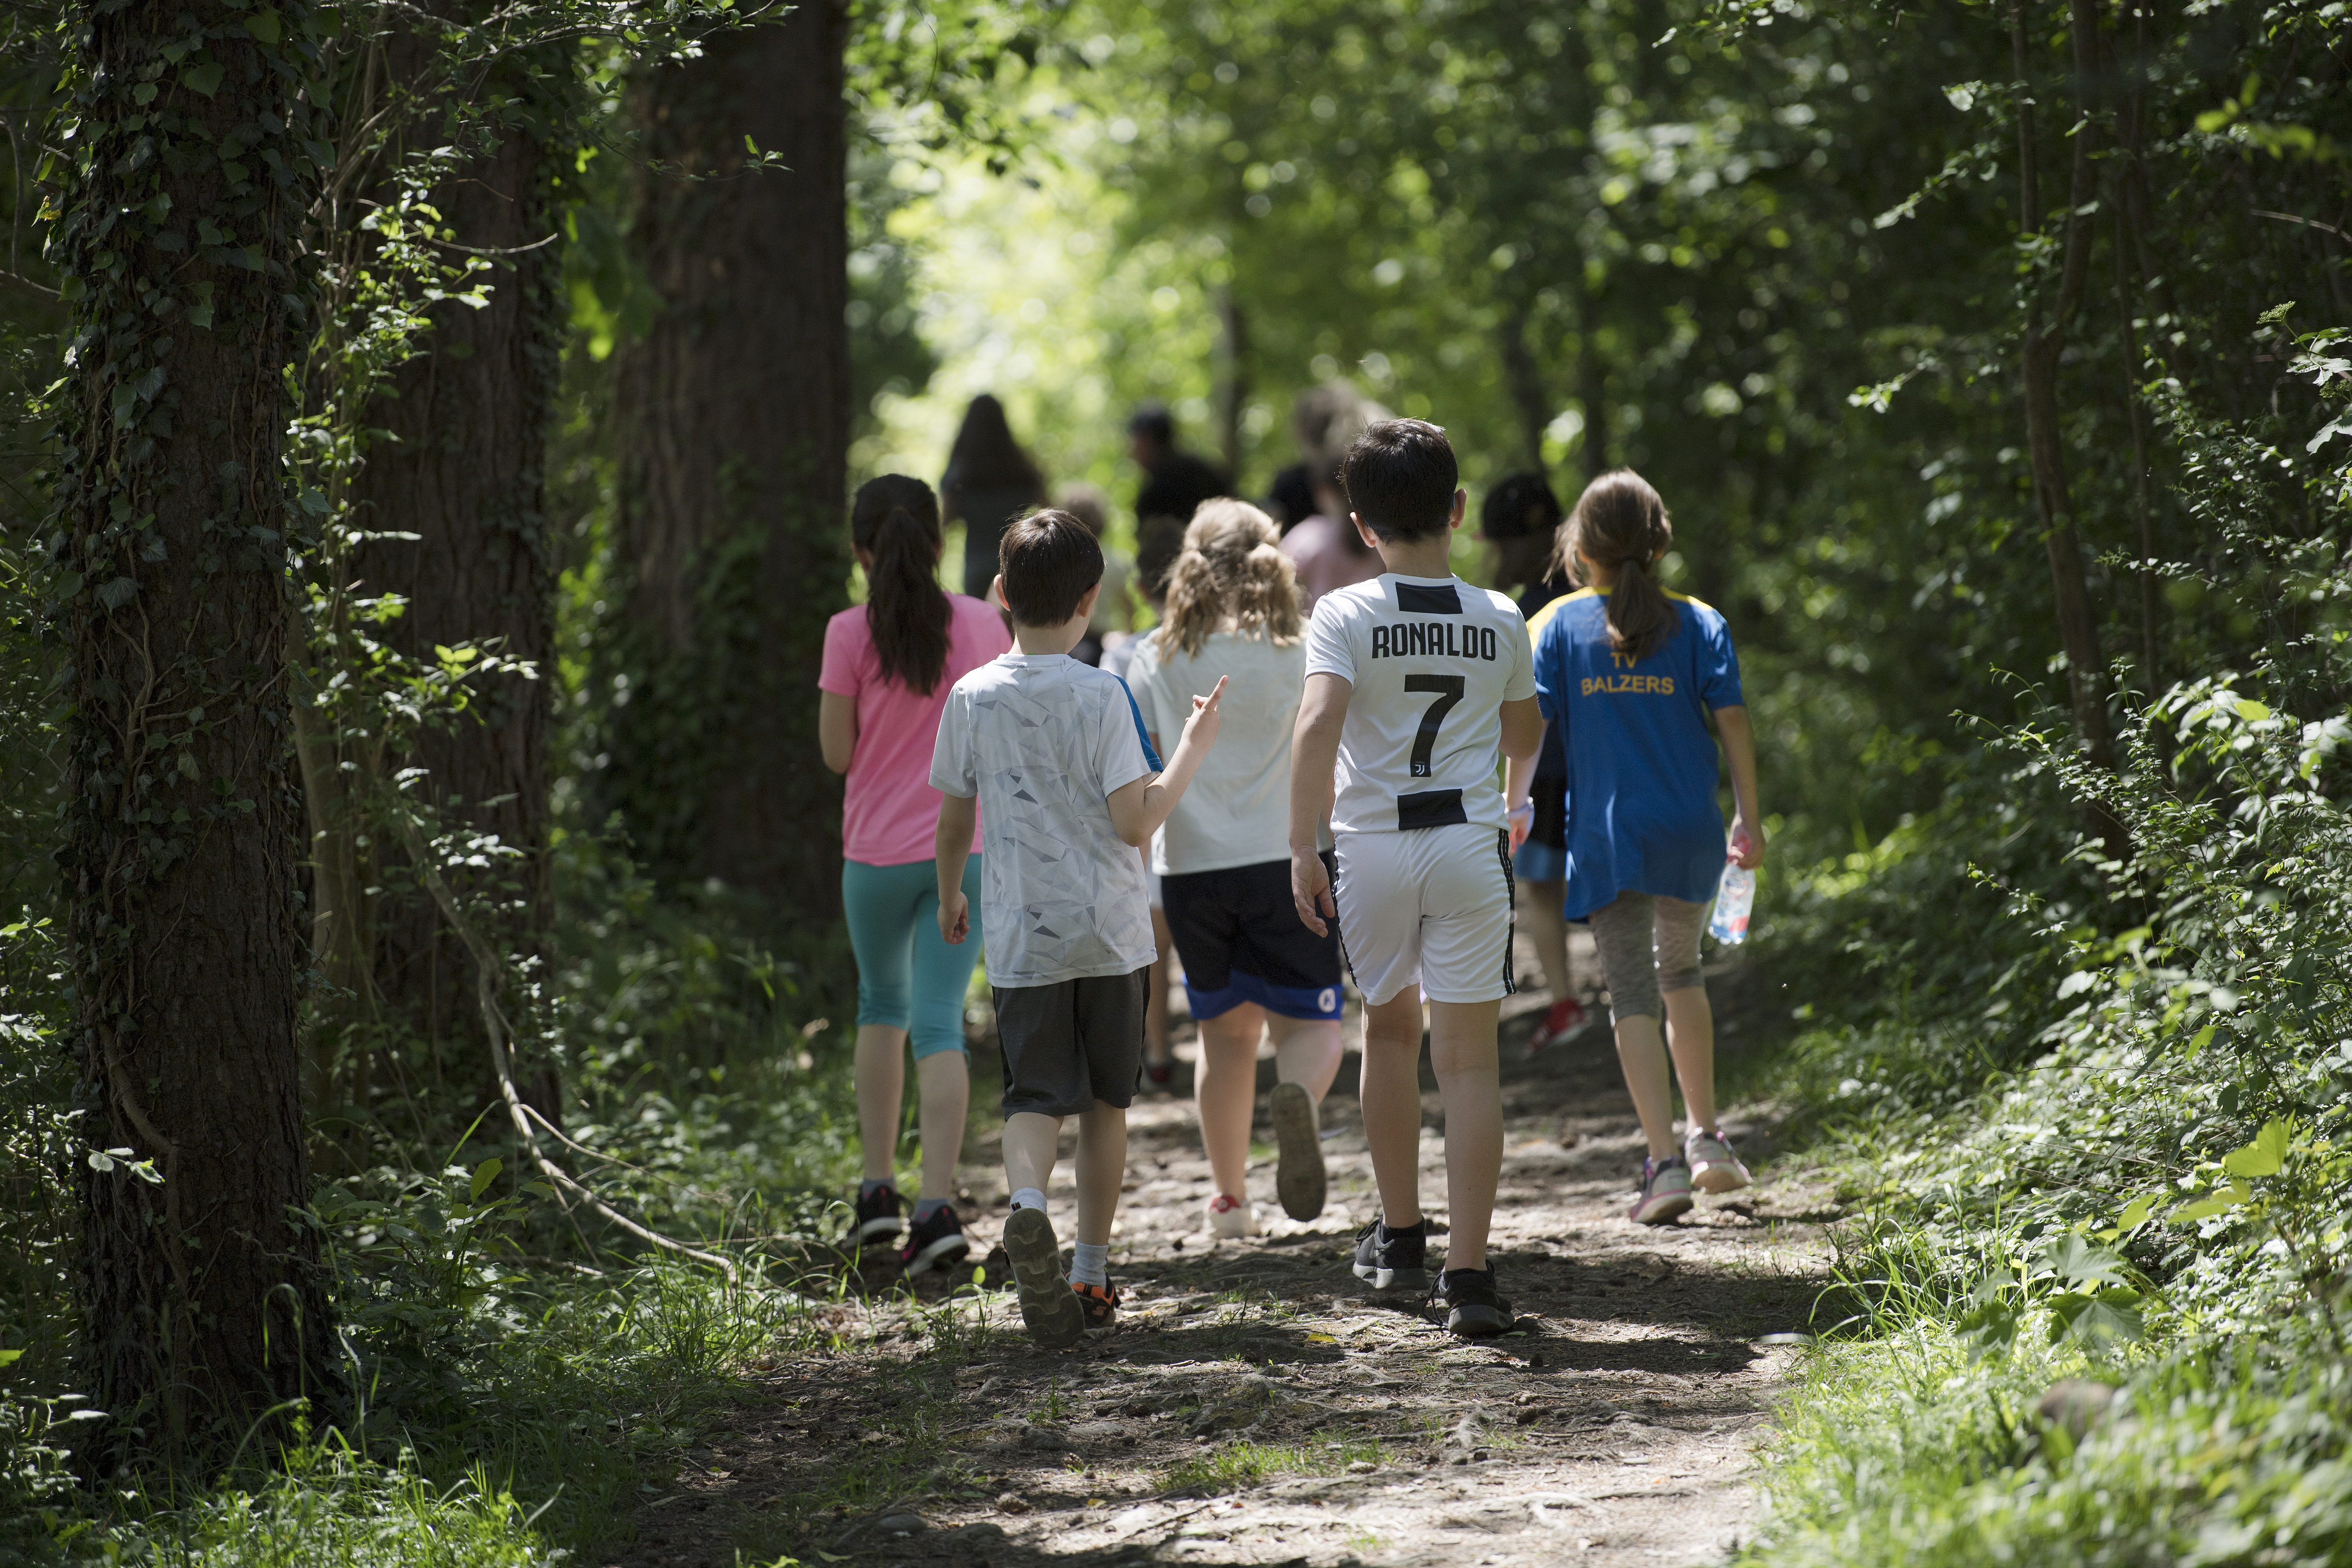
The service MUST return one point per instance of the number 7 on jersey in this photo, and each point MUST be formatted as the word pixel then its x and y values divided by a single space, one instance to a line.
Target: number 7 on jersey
pixel 1449 689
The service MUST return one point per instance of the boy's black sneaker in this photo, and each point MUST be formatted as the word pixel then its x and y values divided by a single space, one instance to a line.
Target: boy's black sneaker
pixel 1393 1259
pixel 1049 1308
pixel 933 1241
pixel 878 1216
pixel 1471 1308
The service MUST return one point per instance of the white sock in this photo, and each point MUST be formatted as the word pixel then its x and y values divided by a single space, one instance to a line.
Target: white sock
pixel 1091 1264
pixel 1028 1199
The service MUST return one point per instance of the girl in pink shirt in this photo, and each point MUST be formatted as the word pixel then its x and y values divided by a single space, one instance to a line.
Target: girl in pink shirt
pixel 888 665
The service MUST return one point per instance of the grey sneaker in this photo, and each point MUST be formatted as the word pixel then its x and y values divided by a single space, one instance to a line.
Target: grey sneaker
pixel 1054 1317
pixel 1665 1193
pixel 1298 1179
pixel 1714 1167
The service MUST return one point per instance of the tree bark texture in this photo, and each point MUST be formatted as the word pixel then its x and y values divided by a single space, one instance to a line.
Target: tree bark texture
pixel 461 466
pixel 1529 401
pixel 2044 343
pixel 202 1301
pixel 733 414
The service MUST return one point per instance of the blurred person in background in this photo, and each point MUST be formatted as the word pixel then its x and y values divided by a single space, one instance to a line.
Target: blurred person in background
pixel 1521 520
pixel 1175 482
pixel 1326 549
pixel 989 482
pixel 1088 504
pixel 1158 542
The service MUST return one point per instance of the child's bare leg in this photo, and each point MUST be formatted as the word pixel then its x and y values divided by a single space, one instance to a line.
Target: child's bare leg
pixel 1031 1142
pixel 881 1075
pixel 1155 990
pixel 1462 1055
pixel 1225 1089
pixel 1391 1093
pixel 943 1085
pixel 1540 906
pixel 1643 1053
pixel 1307 1052
pixel 1690 1033
pixel 1102 1166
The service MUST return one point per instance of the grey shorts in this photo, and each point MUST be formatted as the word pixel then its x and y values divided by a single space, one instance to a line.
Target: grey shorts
pixel 1648 944
pixel 1072 1043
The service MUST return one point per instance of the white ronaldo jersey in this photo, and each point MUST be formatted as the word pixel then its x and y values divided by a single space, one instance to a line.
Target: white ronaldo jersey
pixel 1430 662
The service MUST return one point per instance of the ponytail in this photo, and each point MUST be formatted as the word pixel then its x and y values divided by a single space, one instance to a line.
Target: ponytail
pixel 1620 523
pixel 896 520
pixel 1230 570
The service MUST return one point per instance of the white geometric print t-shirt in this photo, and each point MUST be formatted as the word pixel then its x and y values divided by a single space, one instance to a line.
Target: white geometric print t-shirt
pixel 1431 661
pixel 1043 740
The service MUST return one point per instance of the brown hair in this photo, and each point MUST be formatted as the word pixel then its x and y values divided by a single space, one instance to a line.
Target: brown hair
pixel 897 520
pixel 1620 523
pixel 1230 570
pixel 1048 560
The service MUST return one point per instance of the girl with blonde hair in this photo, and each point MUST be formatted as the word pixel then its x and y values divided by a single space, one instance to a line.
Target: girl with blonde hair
pixel 1233 611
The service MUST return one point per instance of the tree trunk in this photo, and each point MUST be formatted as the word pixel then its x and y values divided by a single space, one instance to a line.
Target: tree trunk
pixel 1525 379
pixel 2044 343
pixel 1232 380
pixel 733 418
pixel 1592 377
pixel 460 466
pixel 202 1305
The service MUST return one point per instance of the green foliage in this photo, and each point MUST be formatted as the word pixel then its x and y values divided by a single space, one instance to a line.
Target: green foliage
pixel 1237 1466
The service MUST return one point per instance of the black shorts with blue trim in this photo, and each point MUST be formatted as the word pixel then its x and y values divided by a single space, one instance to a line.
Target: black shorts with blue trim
pixel 1240 937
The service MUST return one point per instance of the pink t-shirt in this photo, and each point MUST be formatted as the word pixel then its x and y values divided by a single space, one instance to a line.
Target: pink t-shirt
pixel 1326 563
pixel 890 812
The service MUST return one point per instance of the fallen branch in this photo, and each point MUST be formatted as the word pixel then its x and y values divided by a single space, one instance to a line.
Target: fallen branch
pixel 486 967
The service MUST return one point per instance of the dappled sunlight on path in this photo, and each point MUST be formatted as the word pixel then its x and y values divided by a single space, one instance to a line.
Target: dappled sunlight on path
pixel 1255 1409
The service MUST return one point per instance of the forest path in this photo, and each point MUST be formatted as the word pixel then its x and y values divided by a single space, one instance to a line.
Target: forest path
pixel 1253 1408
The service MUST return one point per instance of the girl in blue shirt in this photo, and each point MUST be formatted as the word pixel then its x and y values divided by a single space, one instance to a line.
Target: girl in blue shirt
pixel 1627 672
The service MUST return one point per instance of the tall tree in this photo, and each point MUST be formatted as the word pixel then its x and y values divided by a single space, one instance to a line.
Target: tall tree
pixel 733 418
pixel 458 465
pixel 202 1305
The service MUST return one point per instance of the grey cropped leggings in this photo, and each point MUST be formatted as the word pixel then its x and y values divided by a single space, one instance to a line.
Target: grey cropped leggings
pixel 1648 944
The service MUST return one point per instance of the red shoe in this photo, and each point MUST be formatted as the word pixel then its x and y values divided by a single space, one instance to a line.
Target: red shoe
pixel 1160 1072
pixel 1566 1018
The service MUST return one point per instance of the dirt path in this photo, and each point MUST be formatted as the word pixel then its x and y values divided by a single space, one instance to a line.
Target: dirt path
pixel 1256 1410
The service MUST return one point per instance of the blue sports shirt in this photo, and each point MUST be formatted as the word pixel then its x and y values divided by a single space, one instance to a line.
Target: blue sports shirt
pixel 1641 766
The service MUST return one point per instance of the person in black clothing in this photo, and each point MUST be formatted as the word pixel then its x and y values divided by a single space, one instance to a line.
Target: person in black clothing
pixel 1175 482
pixel 1291 499
pixel 1520 518
pixel 990 481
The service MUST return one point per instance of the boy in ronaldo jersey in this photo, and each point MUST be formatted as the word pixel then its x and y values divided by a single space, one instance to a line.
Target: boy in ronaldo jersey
pixel 1414 681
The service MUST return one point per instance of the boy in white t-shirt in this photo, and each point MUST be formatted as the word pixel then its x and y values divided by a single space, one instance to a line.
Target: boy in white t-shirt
pixel 1056 750
pixel 1414 681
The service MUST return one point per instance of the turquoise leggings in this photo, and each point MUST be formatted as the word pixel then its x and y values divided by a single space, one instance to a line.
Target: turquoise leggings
pixel 907 978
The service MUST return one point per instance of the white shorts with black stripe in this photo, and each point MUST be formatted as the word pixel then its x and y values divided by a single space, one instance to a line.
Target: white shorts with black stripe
pixel 1428 904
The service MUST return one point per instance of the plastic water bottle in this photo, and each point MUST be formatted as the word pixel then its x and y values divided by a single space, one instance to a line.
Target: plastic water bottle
pixel 1733 898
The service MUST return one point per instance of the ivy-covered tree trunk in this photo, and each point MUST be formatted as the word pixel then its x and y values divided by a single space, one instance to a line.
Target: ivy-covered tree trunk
pixel 460 467
pixel 733 419
pixel 202 1305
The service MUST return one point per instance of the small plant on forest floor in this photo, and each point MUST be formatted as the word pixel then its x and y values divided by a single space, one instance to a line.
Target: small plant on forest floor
pixel 1234 1466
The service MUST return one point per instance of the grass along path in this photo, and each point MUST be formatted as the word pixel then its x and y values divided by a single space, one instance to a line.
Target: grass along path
pixel 1254 1408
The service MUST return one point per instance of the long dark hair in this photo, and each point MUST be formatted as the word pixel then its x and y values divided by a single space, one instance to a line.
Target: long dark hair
pixel 897 519
pixel 1620 522
pixel 985 455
